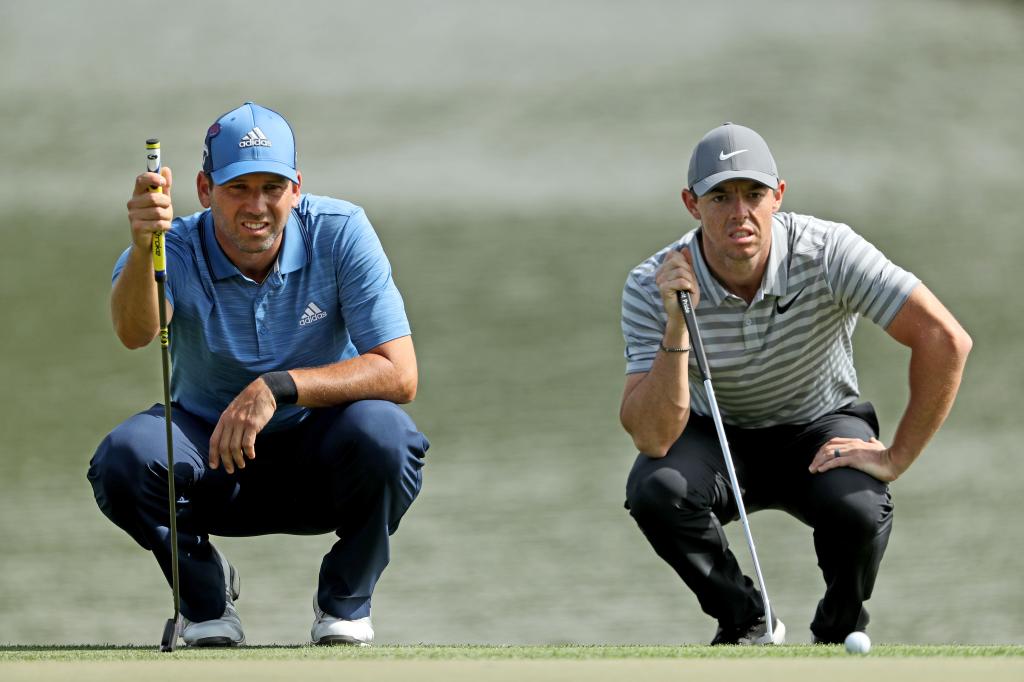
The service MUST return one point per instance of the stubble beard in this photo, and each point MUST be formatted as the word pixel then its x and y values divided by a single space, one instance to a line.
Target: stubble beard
pixel 250 248
pixel 242 240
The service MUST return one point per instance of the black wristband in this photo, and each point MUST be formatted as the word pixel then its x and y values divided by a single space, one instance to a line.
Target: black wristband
pixel 282 386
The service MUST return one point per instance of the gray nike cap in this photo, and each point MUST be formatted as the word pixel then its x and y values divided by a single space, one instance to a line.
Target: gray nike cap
pixel 728 152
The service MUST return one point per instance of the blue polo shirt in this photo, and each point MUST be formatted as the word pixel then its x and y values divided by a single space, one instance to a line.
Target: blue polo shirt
pixel 329 297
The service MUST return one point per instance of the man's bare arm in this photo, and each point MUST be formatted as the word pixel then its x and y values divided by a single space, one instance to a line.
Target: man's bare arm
pixel 656 405
pixel 938 352
pixel 387 372
pixel 133 299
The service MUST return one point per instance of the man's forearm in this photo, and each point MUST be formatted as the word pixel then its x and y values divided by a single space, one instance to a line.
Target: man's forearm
pixel 655 412
pixel 133 301
pixel 936 368
pixel 368 376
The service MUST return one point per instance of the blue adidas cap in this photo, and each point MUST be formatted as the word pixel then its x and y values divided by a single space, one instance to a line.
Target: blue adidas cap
pixel 249 139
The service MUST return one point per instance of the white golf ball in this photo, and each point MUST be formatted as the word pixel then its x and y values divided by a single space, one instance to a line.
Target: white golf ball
pixel 858 643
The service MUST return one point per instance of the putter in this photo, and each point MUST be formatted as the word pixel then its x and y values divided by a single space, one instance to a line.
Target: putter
pixel 705 373
pixel 172 629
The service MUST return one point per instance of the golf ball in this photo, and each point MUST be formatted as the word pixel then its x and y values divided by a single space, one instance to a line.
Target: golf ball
pixel 858 643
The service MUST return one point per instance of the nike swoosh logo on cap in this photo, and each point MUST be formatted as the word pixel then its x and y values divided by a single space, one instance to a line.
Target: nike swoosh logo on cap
pixel 722 156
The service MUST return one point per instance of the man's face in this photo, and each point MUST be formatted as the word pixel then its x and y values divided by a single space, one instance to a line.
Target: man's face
pixel 250 211
pixel 737 220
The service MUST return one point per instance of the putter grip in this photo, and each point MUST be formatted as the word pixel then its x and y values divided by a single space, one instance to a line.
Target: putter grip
pixel 153 166
pixel 696 344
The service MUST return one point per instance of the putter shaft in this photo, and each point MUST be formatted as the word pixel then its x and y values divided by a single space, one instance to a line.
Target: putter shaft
pixel 173 626
pixel 697 345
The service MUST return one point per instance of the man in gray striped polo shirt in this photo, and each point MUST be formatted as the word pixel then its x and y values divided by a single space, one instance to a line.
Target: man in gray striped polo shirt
pixel 777 296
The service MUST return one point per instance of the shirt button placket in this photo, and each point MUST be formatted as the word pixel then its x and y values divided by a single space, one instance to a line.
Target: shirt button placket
pixel 749 331
pixel 260 319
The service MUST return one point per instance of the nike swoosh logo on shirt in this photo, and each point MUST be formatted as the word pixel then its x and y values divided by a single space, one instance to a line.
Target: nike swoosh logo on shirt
pixel 781 308
pixel 722 156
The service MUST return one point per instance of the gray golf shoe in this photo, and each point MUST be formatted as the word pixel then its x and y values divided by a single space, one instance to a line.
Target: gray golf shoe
pixel 226 630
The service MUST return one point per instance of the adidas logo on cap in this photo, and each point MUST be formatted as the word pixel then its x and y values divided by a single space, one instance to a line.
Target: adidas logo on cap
pixel 254 138
pixel 249 139
pixel 311 314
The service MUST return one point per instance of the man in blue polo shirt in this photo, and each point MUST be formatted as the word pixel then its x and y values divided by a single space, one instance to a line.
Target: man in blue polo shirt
pixel 290 348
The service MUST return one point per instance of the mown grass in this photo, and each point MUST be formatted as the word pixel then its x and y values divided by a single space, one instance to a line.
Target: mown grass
pixel 886 663
pixel 513 653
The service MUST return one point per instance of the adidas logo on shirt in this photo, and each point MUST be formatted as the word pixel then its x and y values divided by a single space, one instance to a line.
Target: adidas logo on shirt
pixel 254 138
pixel 311 314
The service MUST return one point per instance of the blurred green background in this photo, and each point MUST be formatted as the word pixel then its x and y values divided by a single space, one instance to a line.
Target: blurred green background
pixel 517 159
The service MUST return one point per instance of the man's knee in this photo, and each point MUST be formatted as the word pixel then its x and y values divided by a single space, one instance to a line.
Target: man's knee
pixel 125 462
pixel 384 437
pixel 661 493
pixel 859 516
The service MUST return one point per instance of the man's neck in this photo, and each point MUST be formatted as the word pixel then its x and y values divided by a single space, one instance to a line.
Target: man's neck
pixel 740 277
pixel 257 273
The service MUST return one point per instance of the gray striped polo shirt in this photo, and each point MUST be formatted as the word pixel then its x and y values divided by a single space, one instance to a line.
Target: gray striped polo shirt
pixel 787 358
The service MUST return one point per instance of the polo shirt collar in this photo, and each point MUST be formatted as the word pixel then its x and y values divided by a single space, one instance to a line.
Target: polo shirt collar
pixel 774 281
pixel 293 255
pixel 776 275
pixel 710 288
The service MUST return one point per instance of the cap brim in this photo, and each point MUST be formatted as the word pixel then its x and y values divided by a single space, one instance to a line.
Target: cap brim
pixel 707 184
pixel 233 170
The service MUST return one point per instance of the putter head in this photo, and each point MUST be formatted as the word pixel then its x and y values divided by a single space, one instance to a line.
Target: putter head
pixel 172 629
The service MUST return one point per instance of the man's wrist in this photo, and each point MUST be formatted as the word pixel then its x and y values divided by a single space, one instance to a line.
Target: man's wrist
pixel 282 386
pixel 675 338
pixel 143 252
pixel 899 459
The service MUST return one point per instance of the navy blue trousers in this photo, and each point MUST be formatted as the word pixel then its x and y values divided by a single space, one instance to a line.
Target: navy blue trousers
pixel 682 500
pixel 352 469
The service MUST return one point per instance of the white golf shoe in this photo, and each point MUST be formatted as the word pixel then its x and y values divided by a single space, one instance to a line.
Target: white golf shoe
pixel 223 631
pixel 330 630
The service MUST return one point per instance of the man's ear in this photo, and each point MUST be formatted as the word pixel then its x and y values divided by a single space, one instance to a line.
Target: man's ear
pixel 690 200
pixel 777 193
pixel 296 189
pixel 204 188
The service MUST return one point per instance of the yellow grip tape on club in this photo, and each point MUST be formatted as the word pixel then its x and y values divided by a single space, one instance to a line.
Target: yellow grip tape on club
pixel 153 166
pixel 159 259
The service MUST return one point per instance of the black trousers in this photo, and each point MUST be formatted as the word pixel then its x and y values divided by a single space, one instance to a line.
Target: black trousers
pixel 682 500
